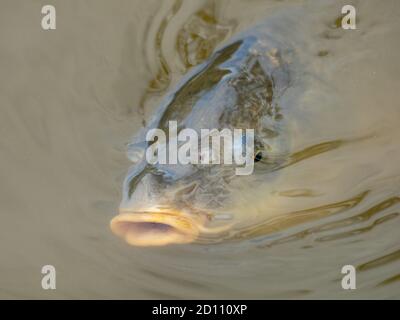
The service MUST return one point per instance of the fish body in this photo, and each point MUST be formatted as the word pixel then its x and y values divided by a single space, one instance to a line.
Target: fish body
pixel 240 86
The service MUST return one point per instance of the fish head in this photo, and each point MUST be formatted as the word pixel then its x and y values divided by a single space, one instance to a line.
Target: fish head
pixel 171 203
pixel 176 203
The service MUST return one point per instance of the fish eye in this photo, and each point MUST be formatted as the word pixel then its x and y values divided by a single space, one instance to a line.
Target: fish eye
pixel 258 156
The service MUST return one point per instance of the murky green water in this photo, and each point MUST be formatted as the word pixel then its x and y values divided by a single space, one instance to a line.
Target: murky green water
pixel 72 98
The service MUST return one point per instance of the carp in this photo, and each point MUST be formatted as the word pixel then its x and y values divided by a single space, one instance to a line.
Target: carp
pixel 241 85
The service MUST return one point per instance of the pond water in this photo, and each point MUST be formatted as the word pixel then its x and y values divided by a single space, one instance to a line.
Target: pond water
pixel 72 98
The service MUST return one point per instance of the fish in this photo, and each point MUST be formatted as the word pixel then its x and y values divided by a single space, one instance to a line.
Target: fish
pixel 242 85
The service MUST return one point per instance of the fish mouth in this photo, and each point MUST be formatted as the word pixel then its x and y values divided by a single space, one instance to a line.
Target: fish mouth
pixel 154 228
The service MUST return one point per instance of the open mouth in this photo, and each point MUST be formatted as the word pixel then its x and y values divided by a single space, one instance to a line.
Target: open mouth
pixel 154 228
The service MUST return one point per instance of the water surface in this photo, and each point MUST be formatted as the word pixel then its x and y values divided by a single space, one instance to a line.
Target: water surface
pixel 72 98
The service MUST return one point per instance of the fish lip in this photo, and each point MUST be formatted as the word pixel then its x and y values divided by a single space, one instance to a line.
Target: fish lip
pixel 147 228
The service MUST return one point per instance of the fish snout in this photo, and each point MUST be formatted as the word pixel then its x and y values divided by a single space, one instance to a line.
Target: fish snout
pixel 155 228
